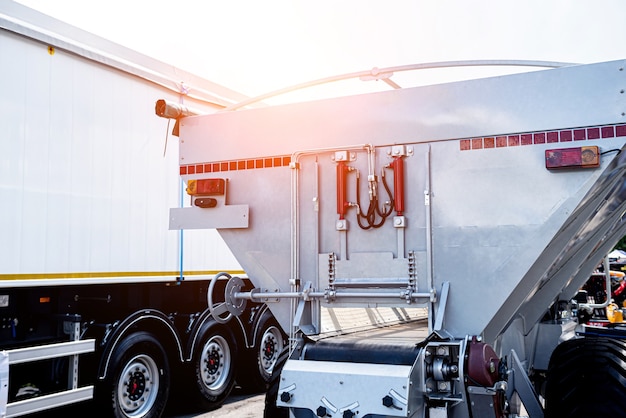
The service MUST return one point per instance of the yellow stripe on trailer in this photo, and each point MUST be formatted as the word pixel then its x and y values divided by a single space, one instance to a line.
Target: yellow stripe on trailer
pixel 84 278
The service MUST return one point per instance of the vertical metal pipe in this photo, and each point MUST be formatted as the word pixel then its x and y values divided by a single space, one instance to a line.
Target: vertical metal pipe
pixel 429 241
pixel 295 244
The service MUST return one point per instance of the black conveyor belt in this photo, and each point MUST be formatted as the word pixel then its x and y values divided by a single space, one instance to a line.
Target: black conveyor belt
pixel 396 344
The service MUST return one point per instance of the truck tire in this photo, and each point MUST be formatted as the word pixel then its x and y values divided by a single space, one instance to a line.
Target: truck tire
pixel 139 380
pixel 271 410
pixel 259 364
pixel 586 377
pixel 213 366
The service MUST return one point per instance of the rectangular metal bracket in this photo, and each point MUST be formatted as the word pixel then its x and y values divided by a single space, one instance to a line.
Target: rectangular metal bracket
pixel 303 318
pixel 221 217
pixel 263 295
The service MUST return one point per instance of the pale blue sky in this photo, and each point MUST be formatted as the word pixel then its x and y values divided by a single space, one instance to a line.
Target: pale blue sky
pixel 257 46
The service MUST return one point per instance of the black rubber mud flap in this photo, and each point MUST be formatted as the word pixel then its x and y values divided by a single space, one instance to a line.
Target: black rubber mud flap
pixel 271 410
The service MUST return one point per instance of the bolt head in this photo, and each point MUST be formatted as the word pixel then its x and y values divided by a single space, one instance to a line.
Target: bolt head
pixel 321 411
pixel 388 401
pixel 285 397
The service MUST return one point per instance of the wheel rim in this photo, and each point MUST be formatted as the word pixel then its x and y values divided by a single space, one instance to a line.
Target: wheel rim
pixel 270 348
pixel 215 364
pixel 138 386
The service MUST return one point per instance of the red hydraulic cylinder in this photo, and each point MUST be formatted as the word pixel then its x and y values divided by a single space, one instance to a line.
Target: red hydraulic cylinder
pixel 342 202
pixel 398 184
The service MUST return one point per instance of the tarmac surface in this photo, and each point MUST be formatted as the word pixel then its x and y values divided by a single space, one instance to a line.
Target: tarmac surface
pixel 238 405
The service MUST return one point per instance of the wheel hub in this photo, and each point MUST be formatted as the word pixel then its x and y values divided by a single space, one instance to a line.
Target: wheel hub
pixel 213 361
pixel 270 348
pixel 136 385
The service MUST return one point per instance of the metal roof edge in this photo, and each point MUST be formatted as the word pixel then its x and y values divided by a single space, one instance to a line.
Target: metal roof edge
pixel 27 22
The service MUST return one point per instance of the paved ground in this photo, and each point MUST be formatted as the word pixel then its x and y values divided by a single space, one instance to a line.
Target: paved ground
pixel 236 406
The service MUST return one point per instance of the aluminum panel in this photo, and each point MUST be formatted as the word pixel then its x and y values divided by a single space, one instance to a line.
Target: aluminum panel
pixel 490 106
pixel 482 211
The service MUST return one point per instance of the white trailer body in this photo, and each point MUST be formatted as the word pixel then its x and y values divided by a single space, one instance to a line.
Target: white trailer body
pixel 507 192
pixel 83 158
pixel 85 253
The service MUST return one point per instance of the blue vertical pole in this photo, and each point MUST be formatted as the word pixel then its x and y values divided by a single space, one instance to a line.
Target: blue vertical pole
pixel 181 202
pixel 180 236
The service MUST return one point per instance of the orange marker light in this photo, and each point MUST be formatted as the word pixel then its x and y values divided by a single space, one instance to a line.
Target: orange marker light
pixel 206 187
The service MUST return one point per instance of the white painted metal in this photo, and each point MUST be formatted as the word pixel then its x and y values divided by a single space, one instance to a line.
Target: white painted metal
pixel 341 386
pixel 42 403
pixel 29 23
pixel 42 352
pixel 83 176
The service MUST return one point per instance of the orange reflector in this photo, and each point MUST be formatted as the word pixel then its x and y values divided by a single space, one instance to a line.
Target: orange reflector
pixel 206 187
pixel 580 157
pixel 44 299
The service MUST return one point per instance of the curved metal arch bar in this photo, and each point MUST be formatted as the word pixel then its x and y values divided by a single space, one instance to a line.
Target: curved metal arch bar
pixel 385 73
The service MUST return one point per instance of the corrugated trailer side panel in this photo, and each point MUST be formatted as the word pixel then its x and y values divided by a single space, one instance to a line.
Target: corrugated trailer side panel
pixel 83 178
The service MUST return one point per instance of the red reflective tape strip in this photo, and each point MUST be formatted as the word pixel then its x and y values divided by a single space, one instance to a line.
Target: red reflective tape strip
pixel 607 132
pixel 593 133
pixel 553 137
pixel 546 137
pixel 539 138
pixel 236 165
pixel 580 134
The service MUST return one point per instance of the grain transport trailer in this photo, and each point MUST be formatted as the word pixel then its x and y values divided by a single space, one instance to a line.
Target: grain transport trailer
pixel 97 297
pixel 423 246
